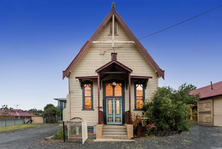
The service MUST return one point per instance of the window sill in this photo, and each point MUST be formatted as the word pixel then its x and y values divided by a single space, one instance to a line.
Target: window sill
pixel 138 110
pixel 87 109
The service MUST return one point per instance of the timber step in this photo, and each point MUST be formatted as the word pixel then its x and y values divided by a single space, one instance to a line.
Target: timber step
pixel 115 136
pixel 114 131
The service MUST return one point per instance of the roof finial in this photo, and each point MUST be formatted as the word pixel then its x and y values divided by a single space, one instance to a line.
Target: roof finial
pixel 113 5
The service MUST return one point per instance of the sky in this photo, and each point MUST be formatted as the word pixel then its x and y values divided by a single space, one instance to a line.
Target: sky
pixel 39 39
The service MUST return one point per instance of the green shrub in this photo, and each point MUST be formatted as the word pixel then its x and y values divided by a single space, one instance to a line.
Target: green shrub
pixel 59 134
pixel 170 108
pixel 74 130
pixel 191 123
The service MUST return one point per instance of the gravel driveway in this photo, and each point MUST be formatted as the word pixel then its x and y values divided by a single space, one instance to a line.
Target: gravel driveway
pixel 200 137
pixel 27 138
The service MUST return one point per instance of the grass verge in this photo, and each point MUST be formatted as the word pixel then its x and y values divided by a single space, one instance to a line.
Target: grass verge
pixel 19 127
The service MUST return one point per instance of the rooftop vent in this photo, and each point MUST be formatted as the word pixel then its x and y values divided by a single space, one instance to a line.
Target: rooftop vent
pixel 211 85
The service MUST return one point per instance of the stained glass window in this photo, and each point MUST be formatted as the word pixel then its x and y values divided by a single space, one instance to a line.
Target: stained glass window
pixel 110 107
pixel 87 96
pixel 109 89
pixel 118 89
pixel 117 107
pixel 139 96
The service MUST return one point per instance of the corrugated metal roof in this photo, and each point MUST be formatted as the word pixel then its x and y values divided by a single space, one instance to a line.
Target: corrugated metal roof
pixel 18 112
pixel 206 92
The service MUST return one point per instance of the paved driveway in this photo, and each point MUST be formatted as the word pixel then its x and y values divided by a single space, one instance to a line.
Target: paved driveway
pixel 200 137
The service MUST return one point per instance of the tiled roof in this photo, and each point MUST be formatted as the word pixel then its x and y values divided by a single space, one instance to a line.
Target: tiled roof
pixel 18 112
pixel 206 92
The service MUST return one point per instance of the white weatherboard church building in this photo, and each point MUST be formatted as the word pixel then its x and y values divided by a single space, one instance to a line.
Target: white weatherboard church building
pixel 111 76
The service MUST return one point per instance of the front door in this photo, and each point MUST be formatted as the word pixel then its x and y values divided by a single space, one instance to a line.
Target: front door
pixel 113 102
pixel 114 110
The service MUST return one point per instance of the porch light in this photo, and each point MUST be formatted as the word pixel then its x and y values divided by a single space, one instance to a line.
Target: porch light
pixel 114 83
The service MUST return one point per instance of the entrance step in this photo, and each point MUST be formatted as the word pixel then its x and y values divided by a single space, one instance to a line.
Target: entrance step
pixel 114 131
pixel 115 136
pixel 114 126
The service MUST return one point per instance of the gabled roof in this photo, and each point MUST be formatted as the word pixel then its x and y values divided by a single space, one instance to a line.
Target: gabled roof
pixel 207 92
pixel 130 33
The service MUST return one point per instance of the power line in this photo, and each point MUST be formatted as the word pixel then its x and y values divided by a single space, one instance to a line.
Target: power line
pixel 169 27
pixel 181 22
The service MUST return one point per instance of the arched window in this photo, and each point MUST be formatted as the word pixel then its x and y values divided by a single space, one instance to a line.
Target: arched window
pixel 139 95
pixel 87 95
pixel 113 90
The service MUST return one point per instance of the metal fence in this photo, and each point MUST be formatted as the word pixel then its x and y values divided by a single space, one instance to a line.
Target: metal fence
pixel 4 123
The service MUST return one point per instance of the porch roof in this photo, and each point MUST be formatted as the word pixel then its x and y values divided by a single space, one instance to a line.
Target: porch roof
pixel 141 77
pixel 114 67
pixel 132 77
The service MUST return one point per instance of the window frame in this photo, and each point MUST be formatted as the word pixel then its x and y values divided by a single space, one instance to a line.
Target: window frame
pixel 83 95
pixel 110 26
pixel 138 82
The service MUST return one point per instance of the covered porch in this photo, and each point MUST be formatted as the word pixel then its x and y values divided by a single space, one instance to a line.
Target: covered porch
pixel 112 91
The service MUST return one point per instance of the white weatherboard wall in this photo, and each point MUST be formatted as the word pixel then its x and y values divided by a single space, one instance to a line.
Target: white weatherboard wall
pixel 129 55
pixel 66 111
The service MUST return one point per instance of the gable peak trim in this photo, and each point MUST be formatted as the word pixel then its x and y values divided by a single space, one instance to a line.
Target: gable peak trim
pixel 128 31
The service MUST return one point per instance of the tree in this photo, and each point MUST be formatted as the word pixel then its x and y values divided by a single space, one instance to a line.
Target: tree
pixel 6 112
pixel 48 105
pixel 5 107
pixel 170 108
pixel 50 113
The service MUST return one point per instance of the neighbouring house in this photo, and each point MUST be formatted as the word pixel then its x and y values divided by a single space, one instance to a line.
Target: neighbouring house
pixel 210 105
pixel 61 106
pixel 19 114
pixel 111 76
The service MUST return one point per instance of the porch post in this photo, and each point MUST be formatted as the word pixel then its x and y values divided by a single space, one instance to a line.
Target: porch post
pixel 129 96
pixel 98 96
